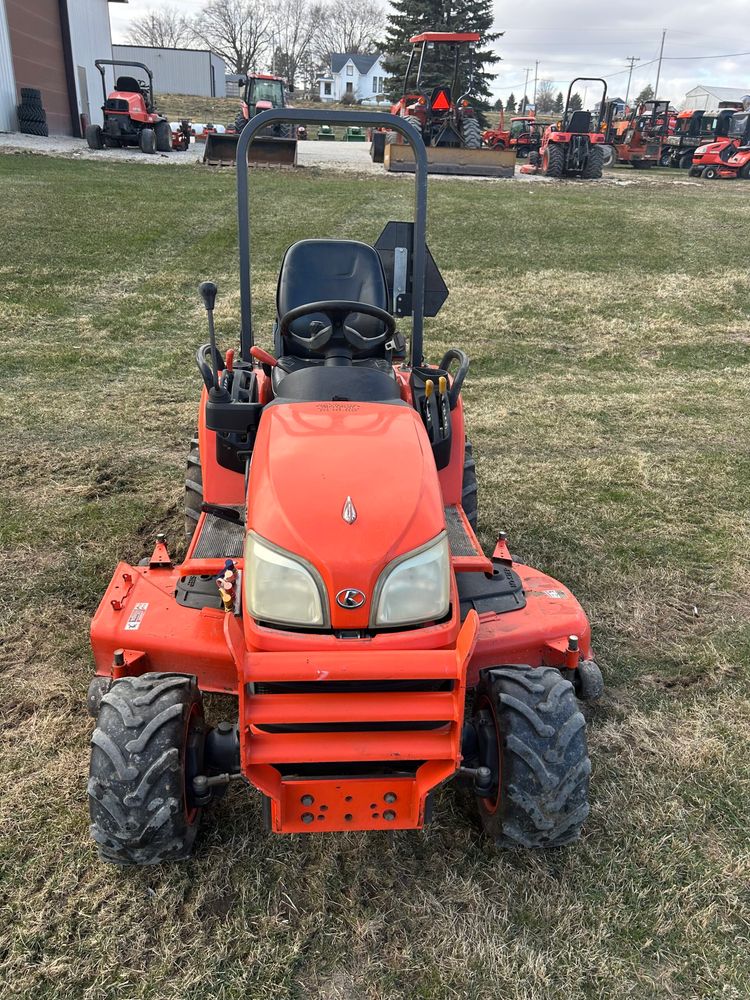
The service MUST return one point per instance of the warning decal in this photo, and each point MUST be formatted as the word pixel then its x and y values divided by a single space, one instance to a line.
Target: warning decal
pixel 136 617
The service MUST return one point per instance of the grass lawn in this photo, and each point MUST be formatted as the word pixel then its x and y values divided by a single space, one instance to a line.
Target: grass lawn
pixel 607 403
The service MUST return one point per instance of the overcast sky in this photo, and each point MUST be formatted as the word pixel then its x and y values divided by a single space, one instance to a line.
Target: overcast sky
pixel 585 39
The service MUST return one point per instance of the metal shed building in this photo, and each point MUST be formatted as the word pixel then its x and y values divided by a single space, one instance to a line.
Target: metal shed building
pixel 52 45
pixel 179 71
pixel 706 98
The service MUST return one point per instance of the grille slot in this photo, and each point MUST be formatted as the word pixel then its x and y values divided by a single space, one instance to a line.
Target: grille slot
pixel 219 538
pixel 459 539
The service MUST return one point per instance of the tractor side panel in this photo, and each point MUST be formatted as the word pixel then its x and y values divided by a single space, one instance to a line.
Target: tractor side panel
pixel 220 485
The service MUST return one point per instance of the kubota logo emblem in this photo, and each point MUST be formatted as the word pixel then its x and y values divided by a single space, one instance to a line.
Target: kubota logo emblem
pixel 350 599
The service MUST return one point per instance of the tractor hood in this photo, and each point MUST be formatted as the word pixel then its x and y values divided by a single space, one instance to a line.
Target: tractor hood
pixel 347 487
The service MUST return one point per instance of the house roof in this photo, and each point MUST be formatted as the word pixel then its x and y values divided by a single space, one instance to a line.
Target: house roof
pixel 364 61
pixel 723 93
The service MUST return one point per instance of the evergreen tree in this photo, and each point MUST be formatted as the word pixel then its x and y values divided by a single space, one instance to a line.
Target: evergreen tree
pixel 411 17
pixel 575 102
pixel 647 94
pixel 498 105
pixel 510 105
pixel 559 104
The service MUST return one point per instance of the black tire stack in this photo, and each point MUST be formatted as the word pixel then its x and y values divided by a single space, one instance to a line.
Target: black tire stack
pixel 32 118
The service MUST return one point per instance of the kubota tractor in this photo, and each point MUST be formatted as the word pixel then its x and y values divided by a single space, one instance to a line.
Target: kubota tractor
pixel 441 118
pixel 573 147
pixel 130 117
pixel 334 584
pixel 261 92
pixel 710 160
pixel 276 145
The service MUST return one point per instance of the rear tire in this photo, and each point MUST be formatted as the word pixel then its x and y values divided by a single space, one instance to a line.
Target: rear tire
pixel 145 751
pixel 413 120
pixel 686 161
pixel 609 156
pixel 744 172
pixel 553 161
pixel 163 134
pixel 665 160
pixel 594 163
pixel 541 761
pixel 30 95
pixel 193 489
pixel 94 137
pixel 239 122
pixel 469 495
pixel 471 133
pixel 147 141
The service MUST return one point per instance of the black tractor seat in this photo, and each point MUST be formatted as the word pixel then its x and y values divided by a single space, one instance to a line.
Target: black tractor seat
pixel 314 270
pixel 342 383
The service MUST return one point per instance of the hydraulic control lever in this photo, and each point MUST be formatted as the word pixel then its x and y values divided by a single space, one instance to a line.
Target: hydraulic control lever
pixel 208 294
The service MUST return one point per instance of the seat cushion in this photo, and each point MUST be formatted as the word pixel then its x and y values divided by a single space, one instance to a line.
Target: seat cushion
pixel 314 270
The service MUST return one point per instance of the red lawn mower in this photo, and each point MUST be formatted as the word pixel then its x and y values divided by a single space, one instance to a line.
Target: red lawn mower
pixel 717 159
pixel 130 117
pixel 573 147
pixel 334 583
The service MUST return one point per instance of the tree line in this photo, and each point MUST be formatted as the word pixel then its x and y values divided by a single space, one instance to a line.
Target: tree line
pixel 294 38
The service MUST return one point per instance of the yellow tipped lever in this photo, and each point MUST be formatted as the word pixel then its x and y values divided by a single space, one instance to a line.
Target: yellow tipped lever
pixel 442 385
pixel 429 388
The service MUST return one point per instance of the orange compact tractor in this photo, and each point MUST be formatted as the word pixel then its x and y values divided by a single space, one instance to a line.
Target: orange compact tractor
pixel 572 147
pixel 334 583
pixel 524 135
pixel 130 117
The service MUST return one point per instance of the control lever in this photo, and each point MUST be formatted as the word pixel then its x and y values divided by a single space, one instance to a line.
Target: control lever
pixel 444 407
pixel 263 356
pixel 208 294
pixel 429 388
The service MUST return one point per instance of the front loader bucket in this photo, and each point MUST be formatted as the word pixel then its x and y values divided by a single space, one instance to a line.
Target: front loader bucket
pixel 221 150
pixel 447 160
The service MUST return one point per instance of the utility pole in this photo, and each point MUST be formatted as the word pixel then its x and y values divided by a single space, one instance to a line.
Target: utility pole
pixel 632 60
pixel 536 77
pixel 525 91
pixel 658 69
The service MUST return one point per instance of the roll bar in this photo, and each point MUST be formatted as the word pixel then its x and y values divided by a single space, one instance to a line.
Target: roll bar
pixel 587 79
pixel 101 63
pixel 299 116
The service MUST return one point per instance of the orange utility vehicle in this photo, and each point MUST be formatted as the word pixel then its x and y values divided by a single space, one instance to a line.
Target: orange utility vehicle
pixel 640 138
pixel 334 583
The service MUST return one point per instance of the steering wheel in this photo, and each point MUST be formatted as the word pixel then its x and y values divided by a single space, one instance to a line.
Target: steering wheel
pixel 337 310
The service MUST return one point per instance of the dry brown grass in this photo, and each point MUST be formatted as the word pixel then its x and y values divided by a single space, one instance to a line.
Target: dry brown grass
pixel 607 402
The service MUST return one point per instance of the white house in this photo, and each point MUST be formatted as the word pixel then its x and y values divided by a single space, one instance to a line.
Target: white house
pixel 705 98
pixel 359 74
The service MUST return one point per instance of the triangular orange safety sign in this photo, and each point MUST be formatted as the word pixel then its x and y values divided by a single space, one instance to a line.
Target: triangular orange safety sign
pixel 441 102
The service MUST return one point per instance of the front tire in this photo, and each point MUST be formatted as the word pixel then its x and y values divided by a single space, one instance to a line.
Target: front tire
pixel 145 751
pixel 94 137
pixel 147 140
pixel 163 135
pixel 533 738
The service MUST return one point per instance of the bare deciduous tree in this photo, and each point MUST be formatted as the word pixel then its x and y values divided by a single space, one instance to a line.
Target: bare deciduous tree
pixel 296 24
pixel 349 26
pixel 237 30
pixel 163 27
pixel 545 97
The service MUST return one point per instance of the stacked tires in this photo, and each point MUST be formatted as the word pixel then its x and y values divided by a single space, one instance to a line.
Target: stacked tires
pixel 32 118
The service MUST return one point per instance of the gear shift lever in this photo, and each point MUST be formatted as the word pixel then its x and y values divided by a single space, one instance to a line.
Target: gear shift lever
pixel 208 294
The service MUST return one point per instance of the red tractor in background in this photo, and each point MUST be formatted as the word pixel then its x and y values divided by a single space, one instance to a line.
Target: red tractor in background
pixel 440 117
pixel 717 159
pixel 130 117
pixel 572 147
pixel 524 135
pixel 263 91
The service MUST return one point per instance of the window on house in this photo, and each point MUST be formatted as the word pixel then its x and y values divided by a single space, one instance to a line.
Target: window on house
pixel 327 89
pixel 350 70
pixel 350 88
pixel 375 82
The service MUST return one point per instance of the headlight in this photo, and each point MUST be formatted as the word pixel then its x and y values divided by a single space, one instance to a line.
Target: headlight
pixel 701 150
pixel 415 587
pixel 281 587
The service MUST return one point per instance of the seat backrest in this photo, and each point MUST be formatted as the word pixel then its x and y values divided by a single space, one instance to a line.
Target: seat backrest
pixel 127 85
pixel 313 270
pixel 579 121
